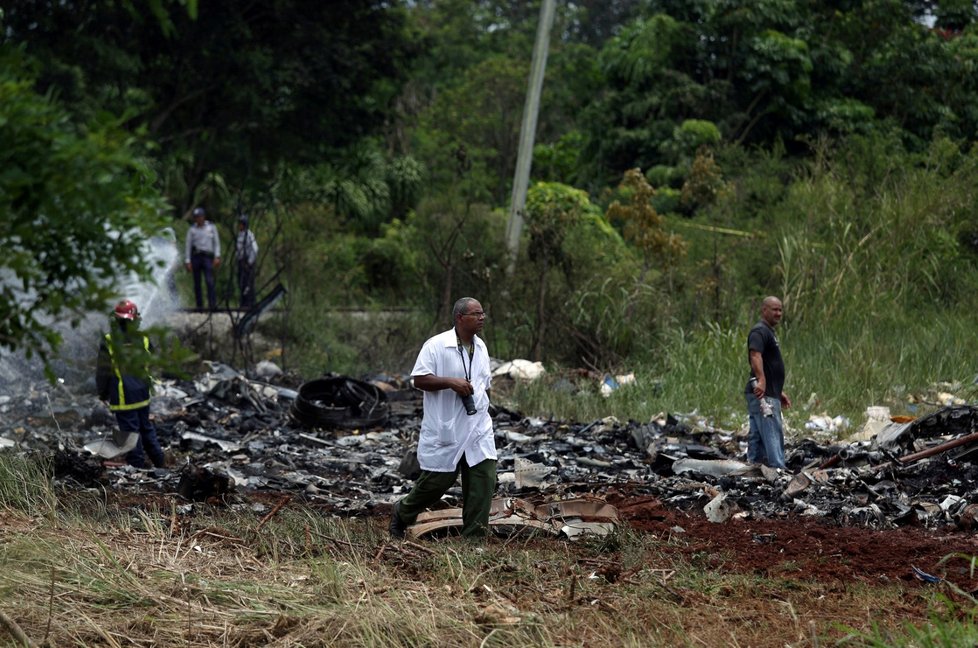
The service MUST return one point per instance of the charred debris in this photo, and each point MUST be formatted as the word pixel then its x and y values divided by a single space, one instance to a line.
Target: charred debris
pixel 347 446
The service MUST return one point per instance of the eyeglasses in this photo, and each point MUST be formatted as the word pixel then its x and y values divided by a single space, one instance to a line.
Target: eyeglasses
pixel 476 314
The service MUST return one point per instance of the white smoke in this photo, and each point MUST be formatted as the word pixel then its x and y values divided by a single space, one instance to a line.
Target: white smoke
pixel 156 298
pixel 74 362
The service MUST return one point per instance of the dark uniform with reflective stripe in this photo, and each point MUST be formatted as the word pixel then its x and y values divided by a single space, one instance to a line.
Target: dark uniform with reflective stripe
pixel 127 393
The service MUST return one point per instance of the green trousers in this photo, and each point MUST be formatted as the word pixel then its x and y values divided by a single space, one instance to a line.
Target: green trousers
pixel 478 487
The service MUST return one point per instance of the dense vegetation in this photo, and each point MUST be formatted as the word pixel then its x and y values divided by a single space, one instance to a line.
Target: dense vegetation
pixel 691 156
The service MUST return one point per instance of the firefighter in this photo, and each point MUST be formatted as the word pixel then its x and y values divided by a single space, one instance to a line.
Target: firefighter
pixel 122 379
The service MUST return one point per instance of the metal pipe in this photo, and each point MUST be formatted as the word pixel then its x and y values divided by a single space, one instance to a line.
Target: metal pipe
pixel 929 452
pixel 831 461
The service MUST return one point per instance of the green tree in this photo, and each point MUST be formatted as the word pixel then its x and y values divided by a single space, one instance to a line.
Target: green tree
pixel 641 225
pixel 581 289
pixel 551 211
pixel 75 200
pixel 469 85
pixel 644 94
pixel 234 88
pixel 778 71
pixel 479 120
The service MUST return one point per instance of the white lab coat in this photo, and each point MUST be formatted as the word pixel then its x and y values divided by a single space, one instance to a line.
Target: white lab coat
pixel 447 432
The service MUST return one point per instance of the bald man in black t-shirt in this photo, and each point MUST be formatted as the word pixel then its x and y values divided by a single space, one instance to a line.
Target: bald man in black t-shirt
pixel 765 390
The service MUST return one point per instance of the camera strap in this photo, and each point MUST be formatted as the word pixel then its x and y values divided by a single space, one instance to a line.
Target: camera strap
pixel 461 354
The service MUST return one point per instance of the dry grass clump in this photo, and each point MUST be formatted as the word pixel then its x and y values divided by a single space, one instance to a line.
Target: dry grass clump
pixel 25 485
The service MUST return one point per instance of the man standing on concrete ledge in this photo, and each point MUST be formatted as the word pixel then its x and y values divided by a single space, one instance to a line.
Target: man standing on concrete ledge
pixel 765 389
pixel 203 256
pixel 246 249
pixel 456 430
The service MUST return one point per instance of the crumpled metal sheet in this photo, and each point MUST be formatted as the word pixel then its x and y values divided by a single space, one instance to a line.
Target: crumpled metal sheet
pixel 715 468
pixel 571 518
pixel 529 474
pixel 951 420
pixel 894 436
pixel 113 445
pixel 223 444
pixel 719 509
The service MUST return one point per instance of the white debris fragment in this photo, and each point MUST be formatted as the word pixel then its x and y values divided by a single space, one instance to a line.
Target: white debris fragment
pixel 719 509
pixel 530 474
pixel 520 370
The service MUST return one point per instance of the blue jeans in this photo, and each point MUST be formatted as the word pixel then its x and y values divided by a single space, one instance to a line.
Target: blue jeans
pixel 138 421
pixel 765 441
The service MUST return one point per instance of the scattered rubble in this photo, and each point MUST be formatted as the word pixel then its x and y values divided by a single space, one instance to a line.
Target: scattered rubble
pixel 570 518
pixel 348 445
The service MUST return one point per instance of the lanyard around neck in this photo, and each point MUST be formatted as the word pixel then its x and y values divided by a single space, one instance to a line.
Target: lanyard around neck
pixel 471 350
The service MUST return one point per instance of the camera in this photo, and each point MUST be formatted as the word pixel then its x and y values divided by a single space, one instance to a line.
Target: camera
pixel 469 403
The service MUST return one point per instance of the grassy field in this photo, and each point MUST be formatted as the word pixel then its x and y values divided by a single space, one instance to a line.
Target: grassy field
pixel 308 581
pixel 78 570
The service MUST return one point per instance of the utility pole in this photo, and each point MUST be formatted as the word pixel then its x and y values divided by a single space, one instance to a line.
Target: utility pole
pixel 524 158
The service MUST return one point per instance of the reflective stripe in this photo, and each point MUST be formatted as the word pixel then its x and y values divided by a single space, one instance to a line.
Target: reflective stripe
pixel 128 406
pixel 123 406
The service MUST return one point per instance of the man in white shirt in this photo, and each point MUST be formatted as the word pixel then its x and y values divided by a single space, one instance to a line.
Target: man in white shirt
pixel 246 250
pixel 456 429
pixel 203 256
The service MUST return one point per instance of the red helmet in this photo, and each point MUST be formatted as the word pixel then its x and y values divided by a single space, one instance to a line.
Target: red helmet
pixel 126 310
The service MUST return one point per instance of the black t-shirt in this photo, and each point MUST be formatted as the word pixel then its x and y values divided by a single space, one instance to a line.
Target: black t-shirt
pixel 763 339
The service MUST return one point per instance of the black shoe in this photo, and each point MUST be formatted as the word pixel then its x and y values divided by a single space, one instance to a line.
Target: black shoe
pixel 397 528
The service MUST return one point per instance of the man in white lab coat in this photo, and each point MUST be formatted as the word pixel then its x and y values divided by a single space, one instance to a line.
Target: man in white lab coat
pixel 456 429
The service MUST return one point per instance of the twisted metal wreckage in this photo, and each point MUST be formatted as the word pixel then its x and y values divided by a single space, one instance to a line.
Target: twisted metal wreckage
pixel 347 445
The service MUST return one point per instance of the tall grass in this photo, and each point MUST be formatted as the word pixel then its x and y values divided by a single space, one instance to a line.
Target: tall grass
pixel 25 485
pixel 893 359
pixel 949 626
pixel 836 368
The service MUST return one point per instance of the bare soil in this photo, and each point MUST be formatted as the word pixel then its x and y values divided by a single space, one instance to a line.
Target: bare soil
pixel 809 548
